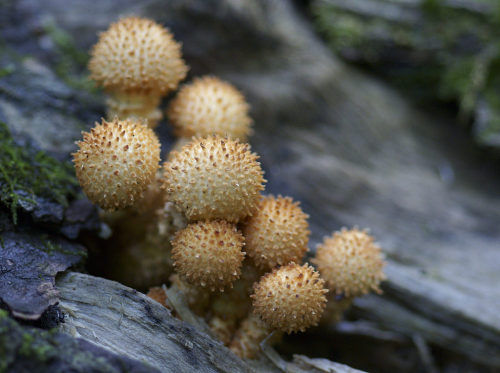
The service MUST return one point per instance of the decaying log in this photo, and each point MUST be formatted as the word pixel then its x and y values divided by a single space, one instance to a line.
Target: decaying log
pixel 129 323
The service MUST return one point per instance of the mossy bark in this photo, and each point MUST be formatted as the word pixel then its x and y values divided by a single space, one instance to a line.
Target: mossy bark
pixel 432 49
pixel 28 349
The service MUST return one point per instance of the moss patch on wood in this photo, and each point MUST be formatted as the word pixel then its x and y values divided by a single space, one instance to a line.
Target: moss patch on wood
pixel 29 349
pixel 26 174
pixel 432 49
pixel 71 62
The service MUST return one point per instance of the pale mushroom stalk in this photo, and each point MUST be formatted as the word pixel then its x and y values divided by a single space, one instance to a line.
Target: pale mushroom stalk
pixel 250 334
pixel 227 309
pixel 126 104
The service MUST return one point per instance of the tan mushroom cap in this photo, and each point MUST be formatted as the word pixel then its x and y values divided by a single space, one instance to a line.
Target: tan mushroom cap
pixel 210 106
pixel 139 56
pixel 350 262
pixel 214 178
pixel 116 161
pixel 290 298
pixel 209 254
pixel 277 233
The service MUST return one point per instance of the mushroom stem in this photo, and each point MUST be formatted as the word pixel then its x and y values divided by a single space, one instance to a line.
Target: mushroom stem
pixel 223 328
pixel 335 309
pixel 247 339
pixel 135 105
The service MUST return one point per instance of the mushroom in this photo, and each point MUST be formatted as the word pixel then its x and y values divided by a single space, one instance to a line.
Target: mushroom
pixel 277 233
pixel 210 106
pixel 116 161
pixel 350 262
pixel 158 294
pixel 247 339
pixel 209 254
pixel 227 309
pixel 214 178
pixel 291 298
pixel 137 61
pixel 196 297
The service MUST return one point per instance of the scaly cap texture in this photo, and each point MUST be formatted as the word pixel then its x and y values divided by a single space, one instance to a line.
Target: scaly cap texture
pixel 137 55
pixel 290 298
pixel 210 106
pixel 116 161
pixel 277 233
pixel 209 254
pixel 350 262
pixel 214 178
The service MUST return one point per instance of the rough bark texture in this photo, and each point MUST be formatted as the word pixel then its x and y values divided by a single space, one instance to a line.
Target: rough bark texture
pixel 354 151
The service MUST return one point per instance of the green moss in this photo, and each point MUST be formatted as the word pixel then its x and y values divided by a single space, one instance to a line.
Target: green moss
pixel 32 348
pixel 71 61
pixel 6 70
pixel 28 349
pixel 26 174
pixel 26 345
pixel 51 247
pixel 438 51
pixel 433 8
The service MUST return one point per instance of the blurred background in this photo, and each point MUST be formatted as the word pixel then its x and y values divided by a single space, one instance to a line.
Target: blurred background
pixel 382 114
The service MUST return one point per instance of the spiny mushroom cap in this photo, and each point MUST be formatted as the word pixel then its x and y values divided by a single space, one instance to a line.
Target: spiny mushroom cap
pixel 277 233
pixel 116 161
pixel 209 254
pixel 290 298
pixel 350 262
pixel 137 55
pixel 210 106
pixel 214 178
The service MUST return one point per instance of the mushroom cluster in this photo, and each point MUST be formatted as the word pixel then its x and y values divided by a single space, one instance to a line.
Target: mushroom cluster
pixel 201 224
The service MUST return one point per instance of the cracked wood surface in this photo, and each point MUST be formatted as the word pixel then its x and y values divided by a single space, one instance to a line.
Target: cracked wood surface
pixel 129 323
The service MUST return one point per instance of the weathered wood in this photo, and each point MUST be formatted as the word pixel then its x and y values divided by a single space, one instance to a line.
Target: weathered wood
pixel 29 349
pixel 127 322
